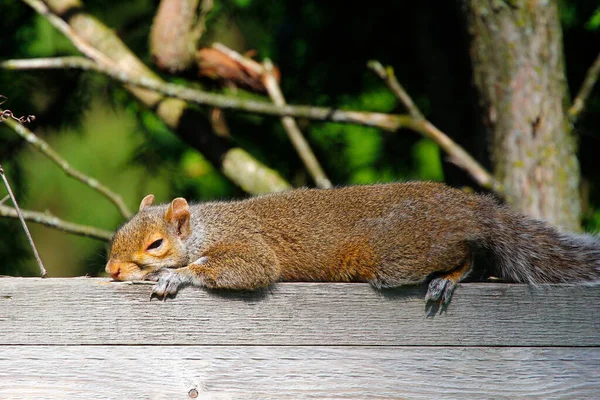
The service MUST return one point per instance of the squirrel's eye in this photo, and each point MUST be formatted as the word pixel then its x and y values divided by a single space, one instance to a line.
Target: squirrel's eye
pixel 154 245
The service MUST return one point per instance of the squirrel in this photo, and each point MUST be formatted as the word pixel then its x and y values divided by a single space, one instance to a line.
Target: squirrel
pixel 385 234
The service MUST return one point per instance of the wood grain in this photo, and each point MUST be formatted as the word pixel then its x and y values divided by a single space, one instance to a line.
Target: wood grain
pixel 95 311
pixel 291 372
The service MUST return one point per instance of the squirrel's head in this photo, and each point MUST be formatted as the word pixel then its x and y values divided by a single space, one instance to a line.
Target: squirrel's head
pixel 152 239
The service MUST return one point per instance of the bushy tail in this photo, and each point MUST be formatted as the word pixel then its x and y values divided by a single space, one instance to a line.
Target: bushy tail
pixel 532 251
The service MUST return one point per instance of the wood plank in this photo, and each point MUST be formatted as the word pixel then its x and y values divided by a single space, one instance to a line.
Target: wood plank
pixel 256 372
pixel 96 311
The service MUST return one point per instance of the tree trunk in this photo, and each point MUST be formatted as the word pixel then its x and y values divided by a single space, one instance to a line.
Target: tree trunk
pixel 518 70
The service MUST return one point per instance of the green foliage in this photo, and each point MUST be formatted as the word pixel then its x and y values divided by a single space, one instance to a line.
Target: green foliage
pixel 43 40
pixel 592 222
pixel 190 174
pixel 594 22
pixel 574 14
pixel 321 53
pixel 101 149
pixel 243 3
pixel 428 164
pixel 358 149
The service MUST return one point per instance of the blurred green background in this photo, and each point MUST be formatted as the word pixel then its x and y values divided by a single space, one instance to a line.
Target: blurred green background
pixel 321 49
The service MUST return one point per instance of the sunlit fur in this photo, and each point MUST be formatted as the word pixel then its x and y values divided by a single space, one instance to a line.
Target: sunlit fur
pixel 129 255
pixel 389 235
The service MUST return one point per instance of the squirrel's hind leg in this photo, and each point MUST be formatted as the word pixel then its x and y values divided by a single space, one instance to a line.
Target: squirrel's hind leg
pixel 440 288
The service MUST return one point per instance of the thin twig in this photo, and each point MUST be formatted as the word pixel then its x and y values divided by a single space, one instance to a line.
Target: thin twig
pixel 246 62
pixel 390 122
pixel 41 8
pixel 105 65
pixel 170 111
pixel 458 155
pixel 591 77
pixel 293 130
pixel 90 51
pixel 21 218
pixel 387 75
pixel 6 114
pixel 43 147
pixel 289 124
pixel 25 119
pixel 4 199
pixel 55 222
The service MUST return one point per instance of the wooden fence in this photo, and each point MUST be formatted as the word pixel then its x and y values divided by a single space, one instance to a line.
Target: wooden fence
pixel 84 338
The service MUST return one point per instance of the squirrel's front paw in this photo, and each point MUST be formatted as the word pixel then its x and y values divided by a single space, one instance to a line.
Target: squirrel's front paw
pixel 168 283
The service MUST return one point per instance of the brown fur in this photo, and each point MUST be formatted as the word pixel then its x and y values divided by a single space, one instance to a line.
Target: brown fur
pixel 389 235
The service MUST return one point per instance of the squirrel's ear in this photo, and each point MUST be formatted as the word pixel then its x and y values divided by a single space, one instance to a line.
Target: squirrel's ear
pixel 178 214
pixel 147 201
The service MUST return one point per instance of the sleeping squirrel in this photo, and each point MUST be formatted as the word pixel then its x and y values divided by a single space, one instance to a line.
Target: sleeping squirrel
pixel 385 234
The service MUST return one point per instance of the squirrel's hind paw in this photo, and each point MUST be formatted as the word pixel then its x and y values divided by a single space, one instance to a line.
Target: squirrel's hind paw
pixel 168 283
pixel 440 291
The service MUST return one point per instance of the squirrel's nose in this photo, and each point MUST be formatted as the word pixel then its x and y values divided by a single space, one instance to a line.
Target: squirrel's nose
pixel 113 268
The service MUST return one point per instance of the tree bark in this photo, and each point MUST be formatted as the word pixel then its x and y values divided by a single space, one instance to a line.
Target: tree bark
pixel 519 74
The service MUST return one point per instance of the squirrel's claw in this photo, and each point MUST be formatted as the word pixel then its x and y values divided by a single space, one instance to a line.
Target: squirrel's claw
pixel 168 283
pixel 440 291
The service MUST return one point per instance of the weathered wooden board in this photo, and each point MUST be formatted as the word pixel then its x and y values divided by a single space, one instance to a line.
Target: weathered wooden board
pixel 284 372
pixel 96 311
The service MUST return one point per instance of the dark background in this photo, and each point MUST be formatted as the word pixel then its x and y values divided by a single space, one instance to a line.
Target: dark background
pixel 321 49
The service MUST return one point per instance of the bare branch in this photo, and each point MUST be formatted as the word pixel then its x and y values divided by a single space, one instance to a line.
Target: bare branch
pixel 584 91
pixel 458 155
pixel 44 148
pixel 246 62
pixel 253 178
pixel 293 130
pixel 41 8
pixel 55 222
pixel 21 218
pixel 149 81
pixel 387 75
pixel 6 114
pixel 291 127
pixel 88 30
pixel 390 122
pixel 92 52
